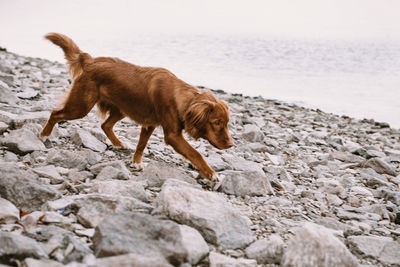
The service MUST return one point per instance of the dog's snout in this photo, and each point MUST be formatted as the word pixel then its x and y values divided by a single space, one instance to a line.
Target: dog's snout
pixel 230 144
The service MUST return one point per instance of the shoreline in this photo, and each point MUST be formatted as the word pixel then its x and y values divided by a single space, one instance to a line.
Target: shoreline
pixel 300 186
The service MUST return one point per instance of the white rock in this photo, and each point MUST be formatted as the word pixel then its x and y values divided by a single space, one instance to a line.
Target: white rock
pixel 220 260
pixel 8 212
pixel 194 243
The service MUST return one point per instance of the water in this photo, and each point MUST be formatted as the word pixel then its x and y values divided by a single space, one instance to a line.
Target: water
pixel 355 77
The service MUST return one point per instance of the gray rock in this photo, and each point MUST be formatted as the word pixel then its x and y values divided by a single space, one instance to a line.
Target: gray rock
pixel 102 169
pixel 133 260
pixel 72 159
pixel 385 249
pixel 93 208
pixel 380 166
pixel 123 233
pixel 22 188
pixel 86 139
pixel 28 93
pixel 7 79
pixel 315 245
pixel 127 188
pixel 194 243
pixel 60 243
pixel 392 196
pixel 208 212
pixel 50 172
pixel 220 260
pixel 346 157
pixel 245 183
pixel 241 164
pixel 109 173
pixel 216 162
pixel 252 133
pixel 15 246
pixel 22 141
pixel 266 251
pixel 6 96
pixel 155 174
pixel 10 157
pixel 8 212
pixel 3 127
pixel 30 262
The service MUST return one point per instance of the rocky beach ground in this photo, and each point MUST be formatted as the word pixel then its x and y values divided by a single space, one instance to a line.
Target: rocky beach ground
pixel 300 188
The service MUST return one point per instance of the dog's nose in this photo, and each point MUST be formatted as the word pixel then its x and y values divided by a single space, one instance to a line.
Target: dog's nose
pixel 229 144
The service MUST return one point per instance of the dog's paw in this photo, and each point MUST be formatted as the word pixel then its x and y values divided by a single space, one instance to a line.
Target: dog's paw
pixel 44 138
pixel 214 178
pixel 137 166
pixel 218 183
pixel 120 146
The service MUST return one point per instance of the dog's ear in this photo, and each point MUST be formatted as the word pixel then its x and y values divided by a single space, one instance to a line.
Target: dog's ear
pixel 196 117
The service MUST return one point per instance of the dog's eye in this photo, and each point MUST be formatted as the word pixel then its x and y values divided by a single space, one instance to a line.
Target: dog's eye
pixel 217 123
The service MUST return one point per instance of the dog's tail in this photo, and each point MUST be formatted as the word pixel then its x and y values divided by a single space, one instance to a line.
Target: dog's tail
pixel 75 57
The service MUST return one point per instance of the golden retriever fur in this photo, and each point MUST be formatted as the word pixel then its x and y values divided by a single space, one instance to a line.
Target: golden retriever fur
pixel 149 96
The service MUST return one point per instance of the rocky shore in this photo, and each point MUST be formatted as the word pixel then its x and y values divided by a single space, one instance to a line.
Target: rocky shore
pixel 300 188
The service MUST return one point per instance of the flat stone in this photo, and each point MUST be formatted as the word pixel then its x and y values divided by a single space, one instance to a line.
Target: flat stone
pixel 16 246
pixel 155 174
pixel 23 189
pixel 315 245
pixel 6 96
pixel 110 170
pixel 22 141
pixel 194 243
pixel 51 172
pixel 30 262
pixel 241 164
pixel 123 233
pixel 385 249
pixel 346 157
pixel 252 133
pixel 220 260
pixel 127 188
pixel 380 166
pixel 266 251
pixel 3 127
pixel 82 137
pixel 8 212
pixel 245 183
pixel 133 259
pixel 72 159
pixel 208 212
pixel 28 93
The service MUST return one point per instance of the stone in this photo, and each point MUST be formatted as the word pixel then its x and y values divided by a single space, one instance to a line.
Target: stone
pixel 314 245
pixel 220 260
pixel 385 249
pixel 109 173
pixel 380 166
pixel 216 162
pixel 241 164
pixel 3 127
pixel 22 141
pixel 127 188
pixel 194 243
pixel 393 196
pixel 16 246
pixel 49 171
pixel 266 251
pixel 346 157
pixel 6 96
pixel 122 172
pixel 7 79
pixel 8 212
pixel 22 188
pixel 134 260
pixel 82 137
pixel 123 233
pixel 30 262
pixel 72 159
pixel 245 183
pixel 20 120
pixel 252 133
pixel 209 213
pixel 28 93
pixel 155 174
pixel 93 208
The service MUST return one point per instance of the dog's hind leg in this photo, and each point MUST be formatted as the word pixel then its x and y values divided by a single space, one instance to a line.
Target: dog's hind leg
pixel 81 99
pixel 108 125
pixel 145 134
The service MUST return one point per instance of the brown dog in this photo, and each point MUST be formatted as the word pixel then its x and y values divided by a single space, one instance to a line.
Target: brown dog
pixel 149 96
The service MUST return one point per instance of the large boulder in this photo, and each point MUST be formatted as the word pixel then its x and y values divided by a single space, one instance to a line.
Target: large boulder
pixel 315 245
pixel 22 141
pixel 208 212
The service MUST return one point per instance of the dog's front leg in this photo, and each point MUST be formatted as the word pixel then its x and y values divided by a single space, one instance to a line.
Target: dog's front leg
pixel 181 146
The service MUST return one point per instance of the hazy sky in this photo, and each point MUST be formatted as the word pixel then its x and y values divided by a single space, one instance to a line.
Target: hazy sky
pixel 298 18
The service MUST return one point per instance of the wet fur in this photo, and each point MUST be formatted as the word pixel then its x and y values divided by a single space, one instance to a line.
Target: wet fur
pixel 150 96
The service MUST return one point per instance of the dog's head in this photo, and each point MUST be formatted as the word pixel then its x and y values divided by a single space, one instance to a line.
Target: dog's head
pixel 208 118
